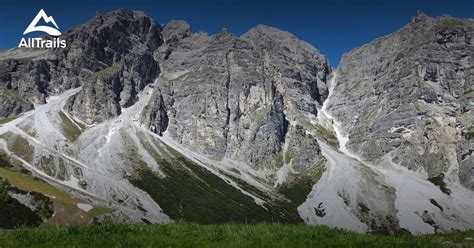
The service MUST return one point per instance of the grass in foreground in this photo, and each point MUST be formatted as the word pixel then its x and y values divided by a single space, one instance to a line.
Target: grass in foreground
pixel 226 235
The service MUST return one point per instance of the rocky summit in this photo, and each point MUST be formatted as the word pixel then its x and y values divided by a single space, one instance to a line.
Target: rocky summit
pixel 146 123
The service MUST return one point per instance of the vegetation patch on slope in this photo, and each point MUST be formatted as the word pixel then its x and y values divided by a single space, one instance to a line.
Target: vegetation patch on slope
pixel 192 193
pixel 69 212
pixel 4 161
pixel 298 187
pixel 19 145
pixel 13 94
pixel 470 133
pixel 13 213
pixel 277 206
pixel 435 203
pixel 322 132
pixel 8 119
pixel 452 22
pixel 439 181
pixel 108 71
pixel 226 235
pixel 278 160
pixel 71 129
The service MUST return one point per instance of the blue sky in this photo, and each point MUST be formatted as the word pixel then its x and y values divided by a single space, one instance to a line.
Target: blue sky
pixel 334 27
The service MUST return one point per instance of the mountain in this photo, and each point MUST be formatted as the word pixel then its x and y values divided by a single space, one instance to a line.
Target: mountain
pixel 146 123
pixel 401 107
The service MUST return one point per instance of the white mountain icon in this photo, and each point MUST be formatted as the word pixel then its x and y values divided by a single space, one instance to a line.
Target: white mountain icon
pixel 49 30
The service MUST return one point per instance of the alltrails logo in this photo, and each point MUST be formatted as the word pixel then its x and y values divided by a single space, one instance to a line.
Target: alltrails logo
pixel 55 42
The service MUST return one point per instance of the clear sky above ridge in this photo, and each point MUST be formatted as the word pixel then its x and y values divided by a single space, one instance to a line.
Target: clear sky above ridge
pixel 333 27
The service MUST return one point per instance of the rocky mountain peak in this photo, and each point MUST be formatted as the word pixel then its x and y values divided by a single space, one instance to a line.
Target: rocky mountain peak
pixel 220 94
pixel 118 32
pixel 176 30
pixel 117 48
pixel 420 17
pixel 225 29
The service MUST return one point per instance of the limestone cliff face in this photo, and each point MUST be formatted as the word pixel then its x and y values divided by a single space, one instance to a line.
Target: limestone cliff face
pixel 118 44
pixel 119 47
pixel 411 94
pixel 236 97
pixel 20 81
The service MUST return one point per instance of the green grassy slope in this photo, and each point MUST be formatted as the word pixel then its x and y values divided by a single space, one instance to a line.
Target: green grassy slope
pixel 71 128
pixel 226 235
pixel 192 193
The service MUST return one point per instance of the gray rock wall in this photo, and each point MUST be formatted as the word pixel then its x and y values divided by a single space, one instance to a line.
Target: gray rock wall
pixel 228 96
pixel 410 93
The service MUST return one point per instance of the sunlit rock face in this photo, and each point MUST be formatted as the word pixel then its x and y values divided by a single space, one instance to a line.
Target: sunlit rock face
pixel 236 97
pixel 411 93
